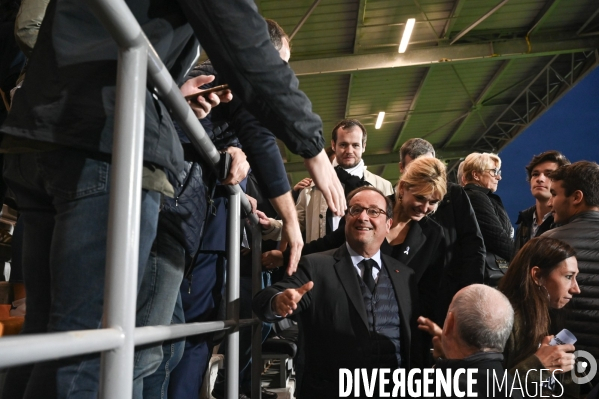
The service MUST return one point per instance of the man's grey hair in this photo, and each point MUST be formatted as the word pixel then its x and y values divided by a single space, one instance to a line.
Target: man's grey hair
pixel 414 148
pixel 484 317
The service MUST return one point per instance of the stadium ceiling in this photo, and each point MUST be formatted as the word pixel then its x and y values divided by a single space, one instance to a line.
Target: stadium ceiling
pixel 475 75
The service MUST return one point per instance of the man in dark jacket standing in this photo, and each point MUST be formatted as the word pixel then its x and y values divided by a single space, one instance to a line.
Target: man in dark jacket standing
pixel 575 204
pixel 464 246
pixel 537 219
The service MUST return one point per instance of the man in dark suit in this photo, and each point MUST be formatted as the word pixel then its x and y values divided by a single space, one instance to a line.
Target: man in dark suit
pixel 354 303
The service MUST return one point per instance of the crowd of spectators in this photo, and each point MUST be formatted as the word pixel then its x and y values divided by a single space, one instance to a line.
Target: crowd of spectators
pixel 374 283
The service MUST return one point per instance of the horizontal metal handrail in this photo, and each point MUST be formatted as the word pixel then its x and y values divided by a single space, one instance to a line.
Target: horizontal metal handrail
pixel 43 347
pixel 32 348
pixel 151 334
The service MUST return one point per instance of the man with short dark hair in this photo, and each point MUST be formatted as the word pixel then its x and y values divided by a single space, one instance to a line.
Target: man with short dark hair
pixel 349 143
pixel 575 206
pixel 465 248
pixel 537 219
pixel 354 304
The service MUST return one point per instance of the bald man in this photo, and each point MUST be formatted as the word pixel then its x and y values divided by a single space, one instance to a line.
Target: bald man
pixel 478 324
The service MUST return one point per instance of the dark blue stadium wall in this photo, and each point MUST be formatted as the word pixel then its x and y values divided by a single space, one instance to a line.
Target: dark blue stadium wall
pixel 570 126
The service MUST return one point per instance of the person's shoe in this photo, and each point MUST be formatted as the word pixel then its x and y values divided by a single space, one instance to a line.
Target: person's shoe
pixel 266 394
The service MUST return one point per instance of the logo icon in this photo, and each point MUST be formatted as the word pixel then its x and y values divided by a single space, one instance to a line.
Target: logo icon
pixel 585 368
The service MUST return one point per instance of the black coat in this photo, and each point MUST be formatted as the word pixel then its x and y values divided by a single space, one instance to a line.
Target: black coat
pixel 493 221
pixel 334 319
pixel 68 96
pixel 464 244
pixel 486 363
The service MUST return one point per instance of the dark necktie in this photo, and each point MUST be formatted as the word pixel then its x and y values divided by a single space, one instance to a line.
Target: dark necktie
pixel 367 276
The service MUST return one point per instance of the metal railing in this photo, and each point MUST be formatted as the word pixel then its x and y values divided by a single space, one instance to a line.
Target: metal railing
pixel 117 339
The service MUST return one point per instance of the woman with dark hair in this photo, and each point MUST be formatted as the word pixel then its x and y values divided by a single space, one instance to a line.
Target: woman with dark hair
pixel 542 276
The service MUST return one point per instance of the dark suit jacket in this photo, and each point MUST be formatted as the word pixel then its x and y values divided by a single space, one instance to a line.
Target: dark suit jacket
pixel 333 317
pixel 422 251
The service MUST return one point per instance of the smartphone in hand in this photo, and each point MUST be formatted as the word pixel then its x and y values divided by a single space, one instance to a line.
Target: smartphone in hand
pixel 215 89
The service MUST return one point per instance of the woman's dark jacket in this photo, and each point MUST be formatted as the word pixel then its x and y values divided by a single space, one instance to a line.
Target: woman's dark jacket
pixel 493 221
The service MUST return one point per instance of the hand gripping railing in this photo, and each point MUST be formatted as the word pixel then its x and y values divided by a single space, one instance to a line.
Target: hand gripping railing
pixel 119 336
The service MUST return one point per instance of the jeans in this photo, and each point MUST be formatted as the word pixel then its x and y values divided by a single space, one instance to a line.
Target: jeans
pixel 155 304
pixel 63 197
pixel 155 386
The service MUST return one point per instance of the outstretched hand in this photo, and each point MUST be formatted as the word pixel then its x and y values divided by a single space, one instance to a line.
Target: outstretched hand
pixel 285 303
pixel 326 180
pixel 426 324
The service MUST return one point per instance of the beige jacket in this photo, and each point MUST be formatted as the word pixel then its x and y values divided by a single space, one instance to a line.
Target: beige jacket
pixel 312 210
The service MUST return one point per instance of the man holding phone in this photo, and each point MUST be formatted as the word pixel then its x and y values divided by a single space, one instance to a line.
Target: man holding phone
pixel 229 125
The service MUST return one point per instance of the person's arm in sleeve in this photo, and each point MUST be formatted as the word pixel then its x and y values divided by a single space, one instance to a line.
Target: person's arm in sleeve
pixel 28 22
pixel 263 154
pixel 236 37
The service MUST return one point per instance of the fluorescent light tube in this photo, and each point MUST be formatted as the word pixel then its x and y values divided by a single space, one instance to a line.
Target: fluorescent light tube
pixel 407 32
pixel 379 120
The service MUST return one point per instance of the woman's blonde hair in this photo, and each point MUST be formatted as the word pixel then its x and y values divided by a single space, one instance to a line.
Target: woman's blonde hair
pixel 479 162
pixel 424 176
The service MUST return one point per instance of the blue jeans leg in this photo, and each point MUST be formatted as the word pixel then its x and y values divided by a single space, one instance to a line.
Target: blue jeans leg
pixel 201 293
pixel 64 194
pixel 156 303
pixel 156 385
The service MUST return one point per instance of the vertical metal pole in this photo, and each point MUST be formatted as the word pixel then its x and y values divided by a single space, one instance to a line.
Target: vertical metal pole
pixel 233 255
pixel 123 223
pixel 256 328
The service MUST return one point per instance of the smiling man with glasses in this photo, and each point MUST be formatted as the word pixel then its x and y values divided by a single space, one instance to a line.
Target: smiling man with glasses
pixel 371 212
pixel 354 303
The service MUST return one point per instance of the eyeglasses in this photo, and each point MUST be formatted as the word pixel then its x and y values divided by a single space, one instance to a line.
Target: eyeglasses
pixel 494 172
pixel 356 210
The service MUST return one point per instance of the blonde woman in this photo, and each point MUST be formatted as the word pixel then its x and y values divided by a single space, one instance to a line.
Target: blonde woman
pixel 482 173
